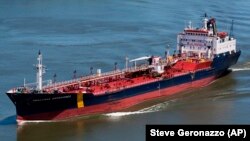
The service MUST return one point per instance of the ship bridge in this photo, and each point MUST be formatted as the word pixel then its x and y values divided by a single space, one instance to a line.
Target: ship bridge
pixel 204 42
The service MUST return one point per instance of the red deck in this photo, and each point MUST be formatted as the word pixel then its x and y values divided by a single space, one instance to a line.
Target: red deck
pixel 119 81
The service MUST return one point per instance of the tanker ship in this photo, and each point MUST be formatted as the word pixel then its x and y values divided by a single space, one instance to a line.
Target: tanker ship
pixel 202 55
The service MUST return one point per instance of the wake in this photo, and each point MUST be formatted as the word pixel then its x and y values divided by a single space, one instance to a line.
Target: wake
pixel 151 109
pixel 240 69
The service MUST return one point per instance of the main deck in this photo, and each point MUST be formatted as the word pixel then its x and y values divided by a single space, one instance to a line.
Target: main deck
pixel 117 80
pixel 123 79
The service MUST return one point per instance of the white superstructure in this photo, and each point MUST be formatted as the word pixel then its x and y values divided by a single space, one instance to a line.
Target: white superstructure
pixel 205 42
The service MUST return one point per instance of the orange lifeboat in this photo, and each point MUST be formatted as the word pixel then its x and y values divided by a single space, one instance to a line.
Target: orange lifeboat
pixel 222 34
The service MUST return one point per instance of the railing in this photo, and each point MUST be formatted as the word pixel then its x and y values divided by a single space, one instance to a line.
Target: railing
pixel 85 78
pixel 29 86
pixel 96 76
pixel 103 75
pixel 48 83
pixel 33 85
pixel 122 88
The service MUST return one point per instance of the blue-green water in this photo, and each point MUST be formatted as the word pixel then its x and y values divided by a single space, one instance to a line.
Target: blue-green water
pixel 80 34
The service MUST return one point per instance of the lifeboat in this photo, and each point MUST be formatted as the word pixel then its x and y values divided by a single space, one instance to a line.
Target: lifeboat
pixel 222 34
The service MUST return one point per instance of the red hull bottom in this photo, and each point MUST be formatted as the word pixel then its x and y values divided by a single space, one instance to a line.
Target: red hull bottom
pixel 115 105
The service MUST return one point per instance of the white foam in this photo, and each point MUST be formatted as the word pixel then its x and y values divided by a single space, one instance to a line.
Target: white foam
pixel 153 108
pixel 240 69
pixel 119 114
pixel 23 122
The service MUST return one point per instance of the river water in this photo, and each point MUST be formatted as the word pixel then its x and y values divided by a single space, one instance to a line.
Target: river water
pixel 80 34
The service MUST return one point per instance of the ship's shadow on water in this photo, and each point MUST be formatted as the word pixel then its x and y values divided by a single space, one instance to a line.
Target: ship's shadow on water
pixel 8 120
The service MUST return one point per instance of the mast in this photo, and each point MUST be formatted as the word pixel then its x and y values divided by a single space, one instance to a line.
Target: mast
pixel 40 71
pixel 167 51
pixel 231 30
pixel 126 61
pixel 205 20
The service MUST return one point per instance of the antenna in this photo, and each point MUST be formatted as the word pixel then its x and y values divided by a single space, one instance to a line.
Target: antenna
pixel 190 25
pixel 74 74
pixel 54 78
pixel 231 30
pixel 91 70
pixel 167 51
pixel 115 65
pixel 24 82
pixel 126 63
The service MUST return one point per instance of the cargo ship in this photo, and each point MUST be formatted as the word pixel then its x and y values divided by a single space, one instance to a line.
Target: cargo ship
pixel 202 55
